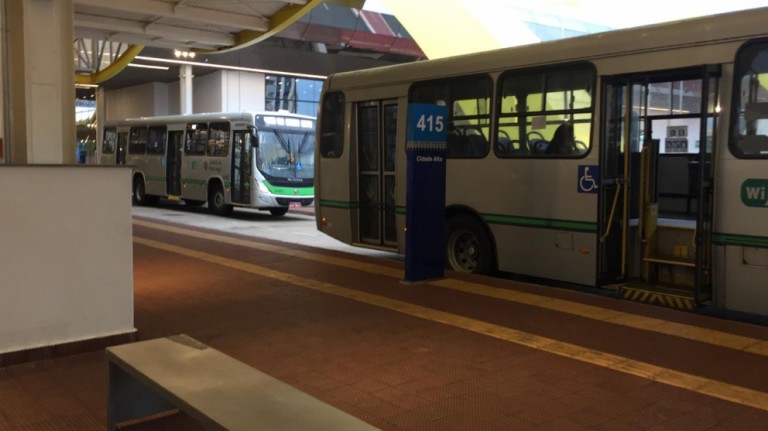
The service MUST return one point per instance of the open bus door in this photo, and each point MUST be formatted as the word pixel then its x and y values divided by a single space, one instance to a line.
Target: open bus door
pixel 173 163
pixel 377 127
pixel 655 213
pixel 242 166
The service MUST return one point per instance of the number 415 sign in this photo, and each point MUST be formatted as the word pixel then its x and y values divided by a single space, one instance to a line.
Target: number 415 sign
pixel 426 123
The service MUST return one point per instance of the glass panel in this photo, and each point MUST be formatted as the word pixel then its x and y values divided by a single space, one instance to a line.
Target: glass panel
pixel 555 119
pixel 332 126
pixel 110 141
pixel 218 140
pixel 750 129
pixel 138 141
pixel 369 202
pixel 368 126
pixel 390 233
pixel 156 140
pixel 390 136
pixel 197 139
pixel 286 152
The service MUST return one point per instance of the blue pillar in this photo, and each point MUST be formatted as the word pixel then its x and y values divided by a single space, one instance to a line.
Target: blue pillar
pixel 425 192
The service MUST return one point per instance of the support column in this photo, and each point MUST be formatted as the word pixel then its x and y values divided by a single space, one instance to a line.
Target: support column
pixel 185 89
pixel 41 93
pixel 101 119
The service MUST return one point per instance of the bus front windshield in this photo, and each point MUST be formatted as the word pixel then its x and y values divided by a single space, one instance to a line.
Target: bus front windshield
pixel 287 153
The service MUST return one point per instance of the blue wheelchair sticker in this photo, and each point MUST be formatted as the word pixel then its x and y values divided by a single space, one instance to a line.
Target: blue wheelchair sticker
pixel 589 179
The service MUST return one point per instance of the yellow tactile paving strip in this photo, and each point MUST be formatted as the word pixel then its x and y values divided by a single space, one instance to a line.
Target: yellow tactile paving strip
pixel 701 385
pixel 680 330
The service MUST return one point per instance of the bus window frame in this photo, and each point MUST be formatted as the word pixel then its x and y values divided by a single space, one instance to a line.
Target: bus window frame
pixel 447 83
pixel 338 134
pixel 738 67
pixel 562 67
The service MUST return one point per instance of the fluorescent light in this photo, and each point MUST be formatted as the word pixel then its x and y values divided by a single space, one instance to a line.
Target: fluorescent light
pixel 148 66
pixel 86 85
pixel 226 67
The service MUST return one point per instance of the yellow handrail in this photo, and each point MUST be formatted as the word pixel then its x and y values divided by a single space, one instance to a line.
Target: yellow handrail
pixel 613 210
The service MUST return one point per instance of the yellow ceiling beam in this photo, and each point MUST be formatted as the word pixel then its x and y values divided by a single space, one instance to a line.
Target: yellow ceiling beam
pixel 113 69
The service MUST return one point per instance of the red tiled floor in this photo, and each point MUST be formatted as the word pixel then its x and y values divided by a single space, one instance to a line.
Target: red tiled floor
pixel 395 371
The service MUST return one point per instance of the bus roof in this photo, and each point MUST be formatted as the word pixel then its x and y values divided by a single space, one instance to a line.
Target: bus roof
pixel 209 116
pixel 720 28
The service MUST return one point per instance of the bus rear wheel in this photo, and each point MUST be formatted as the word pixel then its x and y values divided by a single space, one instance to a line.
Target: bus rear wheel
pixel 467 246
pixel 278 211
pixel 217 201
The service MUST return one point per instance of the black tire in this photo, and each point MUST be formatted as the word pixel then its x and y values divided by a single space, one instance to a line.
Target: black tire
pixel 139 191
pixel 217 200
pixel 467 246
pixel 278 211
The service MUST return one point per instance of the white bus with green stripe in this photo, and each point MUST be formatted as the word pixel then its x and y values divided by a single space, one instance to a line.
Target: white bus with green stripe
pixel 634 160
pixel 260 160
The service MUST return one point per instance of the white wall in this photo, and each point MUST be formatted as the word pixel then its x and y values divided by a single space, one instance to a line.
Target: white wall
pixel 137 101
pixel 215 92
pixel 66 258
pixel 243 91
pixel 207 92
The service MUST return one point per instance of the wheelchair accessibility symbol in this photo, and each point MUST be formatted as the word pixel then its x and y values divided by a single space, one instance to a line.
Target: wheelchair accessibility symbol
pixel 589 179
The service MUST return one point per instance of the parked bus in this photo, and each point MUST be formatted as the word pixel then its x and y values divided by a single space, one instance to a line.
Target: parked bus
pixel 251 160
pixel 635 160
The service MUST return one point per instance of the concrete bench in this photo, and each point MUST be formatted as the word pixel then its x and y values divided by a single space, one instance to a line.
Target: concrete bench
pixel 221 393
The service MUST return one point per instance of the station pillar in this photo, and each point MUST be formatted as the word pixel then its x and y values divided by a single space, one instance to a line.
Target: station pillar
pixel 425 192
pixel 38 82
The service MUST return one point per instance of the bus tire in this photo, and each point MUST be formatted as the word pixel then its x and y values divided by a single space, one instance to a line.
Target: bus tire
pixel 139 191
pixel 217 200
pixel 278 211
pixel 467 245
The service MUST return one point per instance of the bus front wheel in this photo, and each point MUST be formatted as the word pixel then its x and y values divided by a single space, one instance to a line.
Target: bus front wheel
pixel 217 201
pixel 467 246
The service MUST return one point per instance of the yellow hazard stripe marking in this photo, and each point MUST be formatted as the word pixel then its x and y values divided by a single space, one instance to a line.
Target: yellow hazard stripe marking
pixel 649 297
pixel 698 384
pixel 680 330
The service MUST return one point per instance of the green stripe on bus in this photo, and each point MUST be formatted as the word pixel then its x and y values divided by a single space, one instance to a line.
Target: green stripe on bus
pixel 339 204
pixel 744 240
pixel 191 181
pixel 541 223
pixel 290 191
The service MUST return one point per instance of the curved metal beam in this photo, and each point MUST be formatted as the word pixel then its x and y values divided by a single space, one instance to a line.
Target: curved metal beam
pixel 113 69
pixel 282 19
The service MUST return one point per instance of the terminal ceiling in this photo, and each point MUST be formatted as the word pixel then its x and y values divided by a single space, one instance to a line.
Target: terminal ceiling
pixel 234 32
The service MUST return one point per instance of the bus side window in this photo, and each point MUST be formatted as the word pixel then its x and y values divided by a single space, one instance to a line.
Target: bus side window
pixel 332 126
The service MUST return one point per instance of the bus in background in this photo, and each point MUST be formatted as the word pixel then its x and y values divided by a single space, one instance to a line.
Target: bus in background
pixel 635 160
pixel 259 160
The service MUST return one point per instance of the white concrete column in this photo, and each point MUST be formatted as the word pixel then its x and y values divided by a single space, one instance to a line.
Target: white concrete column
pixel 185 89
pixel 41 81
pixel 101 119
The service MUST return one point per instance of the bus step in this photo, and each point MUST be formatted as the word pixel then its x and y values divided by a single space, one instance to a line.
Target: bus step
pixel 174 198
pixel 657 294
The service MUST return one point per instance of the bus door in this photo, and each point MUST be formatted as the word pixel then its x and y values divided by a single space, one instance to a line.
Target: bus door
pixel 242 163
pixel 122 148
pixel 656 198
pixel 376 135
pixel 173 162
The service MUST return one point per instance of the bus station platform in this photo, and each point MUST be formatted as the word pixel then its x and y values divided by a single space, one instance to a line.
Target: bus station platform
pixel 460 353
